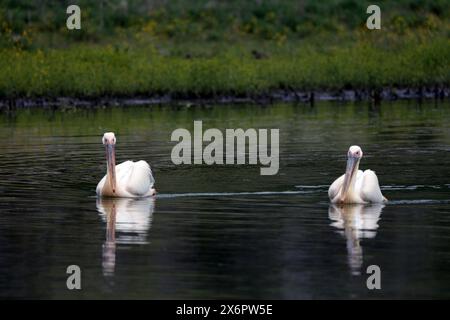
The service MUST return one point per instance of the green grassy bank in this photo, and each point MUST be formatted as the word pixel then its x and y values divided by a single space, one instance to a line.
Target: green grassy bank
pixel 198 50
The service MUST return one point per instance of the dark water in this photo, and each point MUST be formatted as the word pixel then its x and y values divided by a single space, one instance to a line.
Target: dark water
pixel 225 231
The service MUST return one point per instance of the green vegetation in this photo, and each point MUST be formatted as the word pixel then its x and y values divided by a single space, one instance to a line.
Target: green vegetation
pixel 206 48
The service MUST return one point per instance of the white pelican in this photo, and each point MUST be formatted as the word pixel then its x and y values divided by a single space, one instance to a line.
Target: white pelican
pixel 126 180
pixel 356 186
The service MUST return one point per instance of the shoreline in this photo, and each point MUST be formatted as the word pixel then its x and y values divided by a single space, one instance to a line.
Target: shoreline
pixel 351 95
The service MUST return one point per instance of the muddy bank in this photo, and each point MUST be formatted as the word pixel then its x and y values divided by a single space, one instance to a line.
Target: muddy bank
pixel 387 94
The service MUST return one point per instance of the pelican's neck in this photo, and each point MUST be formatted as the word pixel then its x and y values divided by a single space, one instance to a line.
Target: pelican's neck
pixel 110 183
pixel 349 181
pixel 111 177
pixel 352 178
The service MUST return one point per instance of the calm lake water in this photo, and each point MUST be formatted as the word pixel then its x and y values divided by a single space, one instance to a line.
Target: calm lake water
pixel 226 231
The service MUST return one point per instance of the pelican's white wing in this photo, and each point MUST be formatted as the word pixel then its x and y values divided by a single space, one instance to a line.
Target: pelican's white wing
pixel 123 172
pixel 335 187
pixel 370 189
pixel 100 185
pixel 140 180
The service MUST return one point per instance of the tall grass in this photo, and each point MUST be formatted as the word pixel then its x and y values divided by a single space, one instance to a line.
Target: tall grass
pixel 206 20
pixel 212 47
pixel 97 71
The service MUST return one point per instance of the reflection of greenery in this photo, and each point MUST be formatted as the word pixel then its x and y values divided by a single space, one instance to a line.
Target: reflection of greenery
pixel 212 47
pixel 144 133
pixel 134 120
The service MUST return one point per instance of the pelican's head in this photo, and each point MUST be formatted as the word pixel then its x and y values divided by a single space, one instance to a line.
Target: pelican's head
pixel 353 152
pixel 109 141
pixel 354 155
pixel 109 138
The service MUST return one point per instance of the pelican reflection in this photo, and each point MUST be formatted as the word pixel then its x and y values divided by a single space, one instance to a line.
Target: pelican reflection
pixel 127 222
pixel 355 222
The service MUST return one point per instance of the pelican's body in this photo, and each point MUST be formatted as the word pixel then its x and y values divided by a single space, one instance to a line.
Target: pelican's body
pixel 126 180
pixel 356 186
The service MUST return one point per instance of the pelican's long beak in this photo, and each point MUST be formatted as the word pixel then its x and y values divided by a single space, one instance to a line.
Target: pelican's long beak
pixel 352 167
pixel 111 165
